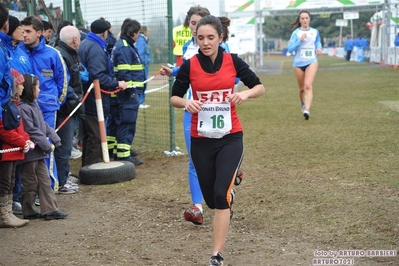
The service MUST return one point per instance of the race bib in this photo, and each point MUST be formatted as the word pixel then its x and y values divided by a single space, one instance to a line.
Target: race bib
pixel 307 53
pixel 214 120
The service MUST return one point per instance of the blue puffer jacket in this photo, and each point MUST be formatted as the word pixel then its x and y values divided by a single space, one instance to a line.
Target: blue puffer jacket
pixel 19 60
pixel 5 80
pixel 48 64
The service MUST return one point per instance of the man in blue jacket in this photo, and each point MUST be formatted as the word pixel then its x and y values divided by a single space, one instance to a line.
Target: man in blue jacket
pixel 94 55
pixel 348 47
pixel 48 64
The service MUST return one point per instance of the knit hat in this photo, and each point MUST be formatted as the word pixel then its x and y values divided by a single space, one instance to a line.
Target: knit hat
pixel 99 26
pixel 18 78
pixel 14 23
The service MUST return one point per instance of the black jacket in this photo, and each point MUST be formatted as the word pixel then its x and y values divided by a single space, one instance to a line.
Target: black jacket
pixel 75 87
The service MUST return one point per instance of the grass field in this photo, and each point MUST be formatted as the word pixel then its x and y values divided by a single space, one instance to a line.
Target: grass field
pixel 332 180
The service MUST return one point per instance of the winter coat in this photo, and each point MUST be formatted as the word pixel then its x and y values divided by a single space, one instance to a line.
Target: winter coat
pixel 38 131
pixel 5 78
pixel 19 60
pixel 142 47
pixel 48 65
pixel 95 58
pixel 13 138
pixel 75 87
pixel 127 63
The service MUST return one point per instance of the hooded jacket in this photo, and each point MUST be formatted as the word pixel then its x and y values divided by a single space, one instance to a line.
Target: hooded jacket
pixel 19 60
pixel 38 131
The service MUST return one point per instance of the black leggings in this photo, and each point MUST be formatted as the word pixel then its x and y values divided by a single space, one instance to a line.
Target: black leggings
pixel 216 162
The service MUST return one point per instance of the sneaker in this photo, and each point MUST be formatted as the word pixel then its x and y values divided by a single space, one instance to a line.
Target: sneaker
pixel 73 185
pixel 16 208
pixel 239 177
pixel 193 215
pixel 66 189
pixel 75 153
pixel 306 114
pixel 73 178
pixel 144 106
pixel 37 200
pixel 302 107
pixel 55 215
pixel 216 260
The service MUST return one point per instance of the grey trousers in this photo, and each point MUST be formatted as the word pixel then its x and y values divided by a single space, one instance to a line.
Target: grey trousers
pixel 35 180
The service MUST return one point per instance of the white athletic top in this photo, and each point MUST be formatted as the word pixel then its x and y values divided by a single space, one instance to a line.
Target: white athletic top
pixel 305 52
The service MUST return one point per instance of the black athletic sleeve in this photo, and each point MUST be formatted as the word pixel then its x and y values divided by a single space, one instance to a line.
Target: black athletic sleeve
pixel 182 81
pixel 247 76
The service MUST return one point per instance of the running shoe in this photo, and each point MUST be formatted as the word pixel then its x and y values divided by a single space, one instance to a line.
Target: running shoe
pixel 73 185
pixel 216 260
pixel 306 114
pixel 239 177
pixel 75 153
pixel 66 189
pixel 73 178
pixel 302 107
pixel 37 200
pixel 193 215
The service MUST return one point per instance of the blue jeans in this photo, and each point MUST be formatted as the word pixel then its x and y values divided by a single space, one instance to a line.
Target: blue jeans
pixel 63 153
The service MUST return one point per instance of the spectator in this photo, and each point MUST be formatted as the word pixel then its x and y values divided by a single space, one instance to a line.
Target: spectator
pixel 396 42
pixel 49 66
pixel 110 40
pixel 68 45
pixel 8 138
pixel 145 57
pixel 348 47
pixel 48 31
pixel 93 54
pixel 19 61
pixel 55 39
pixel 35 176
pixel 126 54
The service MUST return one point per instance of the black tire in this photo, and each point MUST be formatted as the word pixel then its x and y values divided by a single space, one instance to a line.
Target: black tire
pixel 107 173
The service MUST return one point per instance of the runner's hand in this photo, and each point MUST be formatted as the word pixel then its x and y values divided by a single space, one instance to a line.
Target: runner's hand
pixel 165 71
pixel 193 106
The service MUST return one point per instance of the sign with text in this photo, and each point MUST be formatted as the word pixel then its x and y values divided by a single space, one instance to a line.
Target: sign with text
pixel 341 23
pixel 351 15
